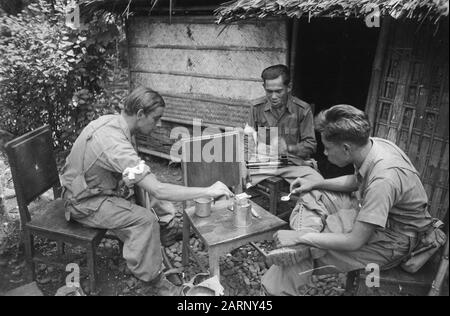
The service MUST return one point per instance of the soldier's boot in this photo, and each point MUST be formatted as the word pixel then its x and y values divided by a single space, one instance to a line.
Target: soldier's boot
pixel 287 256
pixel 161 286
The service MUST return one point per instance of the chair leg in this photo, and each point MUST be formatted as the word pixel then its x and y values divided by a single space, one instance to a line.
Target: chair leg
pixel 186 233
pixel 355 285
pixel 121 247
pixel 91 261
pixel 29 253
pixel 350 284
pixel 274 200
pixel 61 249
pixel 214 268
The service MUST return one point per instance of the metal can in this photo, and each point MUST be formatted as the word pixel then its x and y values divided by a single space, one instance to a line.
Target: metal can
pixel 242 215
pixel 203 207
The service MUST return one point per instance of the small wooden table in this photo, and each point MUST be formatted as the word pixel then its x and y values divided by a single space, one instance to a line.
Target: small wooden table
pixel 220 235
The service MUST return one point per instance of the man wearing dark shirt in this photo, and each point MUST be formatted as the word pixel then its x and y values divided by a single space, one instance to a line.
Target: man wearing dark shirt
pixel 291 116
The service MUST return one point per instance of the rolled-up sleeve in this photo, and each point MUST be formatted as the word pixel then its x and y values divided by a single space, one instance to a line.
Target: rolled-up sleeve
pixel 120 156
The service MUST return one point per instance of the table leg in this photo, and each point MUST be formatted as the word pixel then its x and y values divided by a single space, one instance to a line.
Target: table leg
pixel 273 200
pixel 186 233
pixel 214 268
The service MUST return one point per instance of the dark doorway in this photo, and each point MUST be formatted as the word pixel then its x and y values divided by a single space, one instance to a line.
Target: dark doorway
pixel 333 65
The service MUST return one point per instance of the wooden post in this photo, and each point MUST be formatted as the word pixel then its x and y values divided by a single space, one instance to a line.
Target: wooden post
pixel 377 70
pixel 442 272
pixel 294 41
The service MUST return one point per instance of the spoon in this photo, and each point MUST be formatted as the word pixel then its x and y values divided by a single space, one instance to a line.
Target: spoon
pixel 286 197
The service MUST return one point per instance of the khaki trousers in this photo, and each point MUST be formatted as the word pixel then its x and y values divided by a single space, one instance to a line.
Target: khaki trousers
pixel 383 248
pixel 136 226
pixel 289 173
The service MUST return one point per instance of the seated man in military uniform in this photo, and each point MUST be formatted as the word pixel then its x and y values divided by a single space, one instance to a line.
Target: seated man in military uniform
pixel 293 122
pixel 101 157
pixel 381 222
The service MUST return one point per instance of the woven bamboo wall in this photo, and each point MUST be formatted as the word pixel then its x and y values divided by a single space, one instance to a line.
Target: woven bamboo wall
pixel 203 70
pixel 413 104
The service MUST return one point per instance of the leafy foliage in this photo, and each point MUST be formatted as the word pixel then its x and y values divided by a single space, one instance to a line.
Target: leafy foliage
pixel 12 6
pixel 51 73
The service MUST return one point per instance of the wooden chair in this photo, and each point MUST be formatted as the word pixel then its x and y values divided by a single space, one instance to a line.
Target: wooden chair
pixel 34 171
pixel 272 188
pixel 397 281
pixel 198 171
pixel 393 282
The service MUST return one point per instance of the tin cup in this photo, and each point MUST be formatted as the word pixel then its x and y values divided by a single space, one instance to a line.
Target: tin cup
pixel 242 215
pixel 203 207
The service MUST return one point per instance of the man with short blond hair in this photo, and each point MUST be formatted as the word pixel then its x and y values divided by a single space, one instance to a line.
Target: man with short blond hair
pixel 101 158
pixel 291 117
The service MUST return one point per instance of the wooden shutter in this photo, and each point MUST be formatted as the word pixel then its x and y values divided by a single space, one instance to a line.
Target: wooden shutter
pixel 412 105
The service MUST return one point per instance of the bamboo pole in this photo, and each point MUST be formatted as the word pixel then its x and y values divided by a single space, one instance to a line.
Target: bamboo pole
pixel 377 70
pixel 440 275
pixel 293 55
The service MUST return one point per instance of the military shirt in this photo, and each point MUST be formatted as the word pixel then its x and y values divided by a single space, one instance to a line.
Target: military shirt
pixel 100 158
pixel 295 125
pixel 392 194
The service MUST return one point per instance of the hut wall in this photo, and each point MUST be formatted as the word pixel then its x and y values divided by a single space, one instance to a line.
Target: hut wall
pixel 203 70
pixel 412 103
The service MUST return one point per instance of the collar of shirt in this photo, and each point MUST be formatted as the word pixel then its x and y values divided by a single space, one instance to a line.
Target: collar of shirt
pixel 124 127
pixel 288 108
pixel 368 163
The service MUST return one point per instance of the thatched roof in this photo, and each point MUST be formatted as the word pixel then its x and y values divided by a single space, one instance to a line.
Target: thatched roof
pixel 398 9
pixel 147 6
pixel 118 6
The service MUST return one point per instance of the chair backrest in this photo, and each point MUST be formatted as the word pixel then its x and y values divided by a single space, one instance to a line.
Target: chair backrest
pixel 33 167
pixel 212 158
